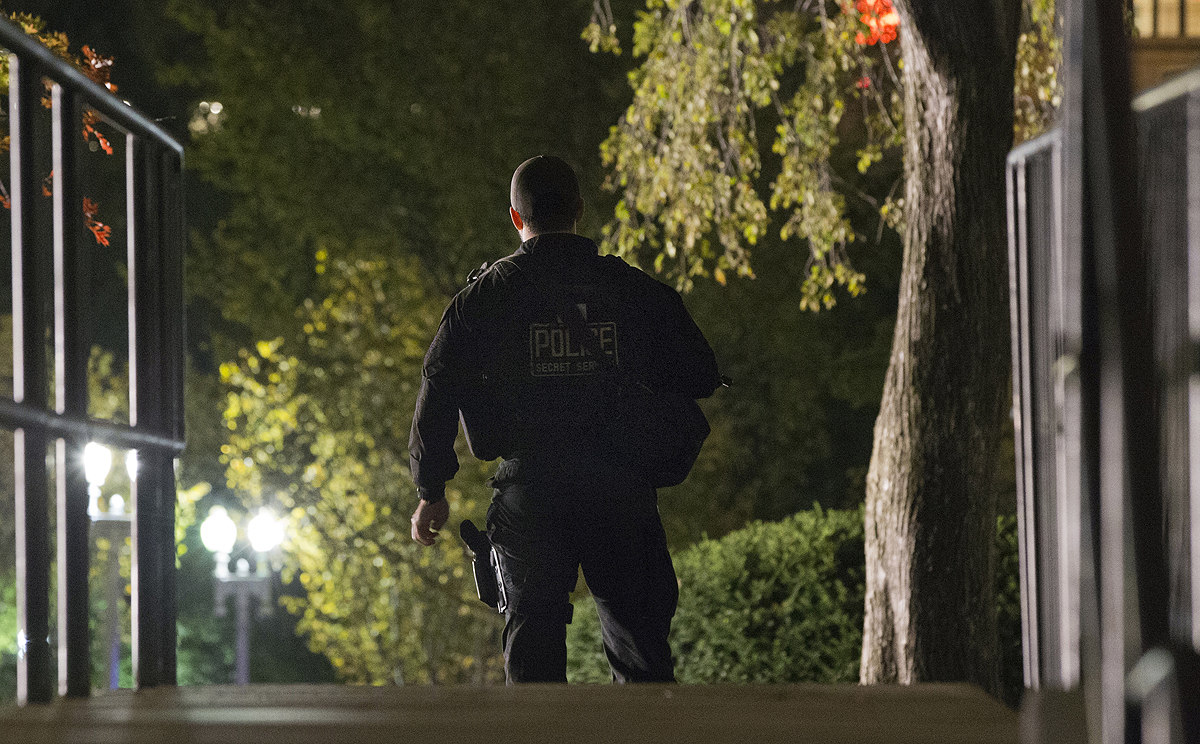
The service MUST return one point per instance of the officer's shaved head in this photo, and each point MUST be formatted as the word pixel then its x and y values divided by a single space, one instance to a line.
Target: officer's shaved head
pixel 545 192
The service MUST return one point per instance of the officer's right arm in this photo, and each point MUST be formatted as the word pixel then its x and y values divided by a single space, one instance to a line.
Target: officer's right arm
pixel 432 460
pixel 431 457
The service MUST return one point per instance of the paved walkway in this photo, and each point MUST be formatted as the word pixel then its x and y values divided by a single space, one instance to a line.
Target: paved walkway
pixel 688 714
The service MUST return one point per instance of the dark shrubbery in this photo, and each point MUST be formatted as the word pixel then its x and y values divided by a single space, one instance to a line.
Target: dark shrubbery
pixel 1008 610
pixel 585 654
pixel 773 602
pixel 783 602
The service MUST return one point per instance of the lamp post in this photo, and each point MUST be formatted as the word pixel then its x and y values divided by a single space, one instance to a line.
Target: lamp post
pixel 113 524
pixel 219 532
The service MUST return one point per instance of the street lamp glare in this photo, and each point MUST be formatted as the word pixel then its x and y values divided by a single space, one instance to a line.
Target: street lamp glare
pixel 218 532
pixel 265 532
pixel 97 461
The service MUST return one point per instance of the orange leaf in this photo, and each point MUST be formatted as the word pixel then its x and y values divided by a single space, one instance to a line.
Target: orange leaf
pixel 101 231
pixel 97 67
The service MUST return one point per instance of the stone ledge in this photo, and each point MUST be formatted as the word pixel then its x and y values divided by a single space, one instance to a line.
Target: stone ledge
pixel 290 714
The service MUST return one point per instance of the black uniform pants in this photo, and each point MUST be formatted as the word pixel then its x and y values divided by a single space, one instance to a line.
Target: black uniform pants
pixel 544 529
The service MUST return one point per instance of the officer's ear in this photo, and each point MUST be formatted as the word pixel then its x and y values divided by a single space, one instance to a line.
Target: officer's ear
pixel 579 211
pixel 516 219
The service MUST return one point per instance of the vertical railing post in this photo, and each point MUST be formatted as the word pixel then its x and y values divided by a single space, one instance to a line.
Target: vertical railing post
pixel 1128 443
pixel 1079 460
pixel 1193 251
pixel 1023 420
pixel 71 351
pixel 145 579
pixel 146 349
pixel 171 363
pixel 35 674
pixel 173 299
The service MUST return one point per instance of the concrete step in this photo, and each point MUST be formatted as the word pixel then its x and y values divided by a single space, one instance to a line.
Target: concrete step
pixel 695 714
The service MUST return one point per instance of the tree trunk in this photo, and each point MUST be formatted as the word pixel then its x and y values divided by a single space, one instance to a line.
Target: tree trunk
pixel 931 503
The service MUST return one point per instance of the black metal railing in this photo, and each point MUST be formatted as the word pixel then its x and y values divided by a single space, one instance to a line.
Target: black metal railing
pixel 1070 363
pixel 1043 353
pixel 1169 176
pixel 50 398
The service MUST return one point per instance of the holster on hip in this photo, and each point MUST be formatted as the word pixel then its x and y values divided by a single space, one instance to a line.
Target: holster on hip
pixel 489 583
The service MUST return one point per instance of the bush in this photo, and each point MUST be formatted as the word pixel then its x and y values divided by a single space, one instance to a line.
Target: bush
pixel 1008 610
pixel 586 662
pixel 773 602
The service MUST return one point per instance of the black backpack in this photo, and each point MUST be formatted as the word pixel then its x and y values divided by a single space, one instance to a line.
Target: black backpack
pixel 656 432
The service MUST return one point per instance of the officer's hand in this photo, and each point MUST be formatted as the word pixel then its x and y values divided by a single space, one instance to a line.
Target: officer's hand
pixel 428 519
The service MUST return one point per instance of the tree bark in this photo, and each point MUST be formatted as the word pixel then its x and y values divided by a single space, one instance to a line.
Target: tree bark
pixel 931 503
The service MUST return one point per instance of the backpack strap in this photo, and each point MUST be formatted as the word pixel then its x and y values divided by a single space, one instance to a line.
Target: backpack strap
pixel 509 265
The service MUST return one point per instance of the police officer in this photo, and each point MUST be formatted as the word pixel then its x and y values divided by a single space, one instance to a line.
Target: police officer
pixel 509 360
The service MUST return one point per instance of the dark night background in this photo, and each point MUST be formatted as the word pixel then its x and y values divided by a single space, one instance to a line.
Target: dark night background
pixel 797 425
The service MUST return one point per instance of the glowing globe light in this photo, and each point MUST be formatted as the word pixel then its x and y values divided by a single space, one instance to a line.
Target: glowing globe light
pixel 218 532
pixel 131 464
pixel 97 461
pixel 265 531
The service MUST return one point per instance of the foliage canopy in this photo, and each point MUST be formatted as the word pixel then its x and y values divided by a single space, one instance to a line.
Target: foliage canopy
pixel 698 186
pixel 687 159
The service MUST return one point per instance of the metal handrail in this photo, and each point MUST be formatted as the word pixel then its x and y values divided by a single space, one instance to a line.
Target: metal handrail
pixel 15 415
pixel 154 201
pixel 116 111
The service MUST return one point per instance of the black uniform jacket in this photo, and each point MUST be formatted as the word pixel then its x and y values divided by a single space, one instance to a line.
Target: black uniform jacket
pixel 506 360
